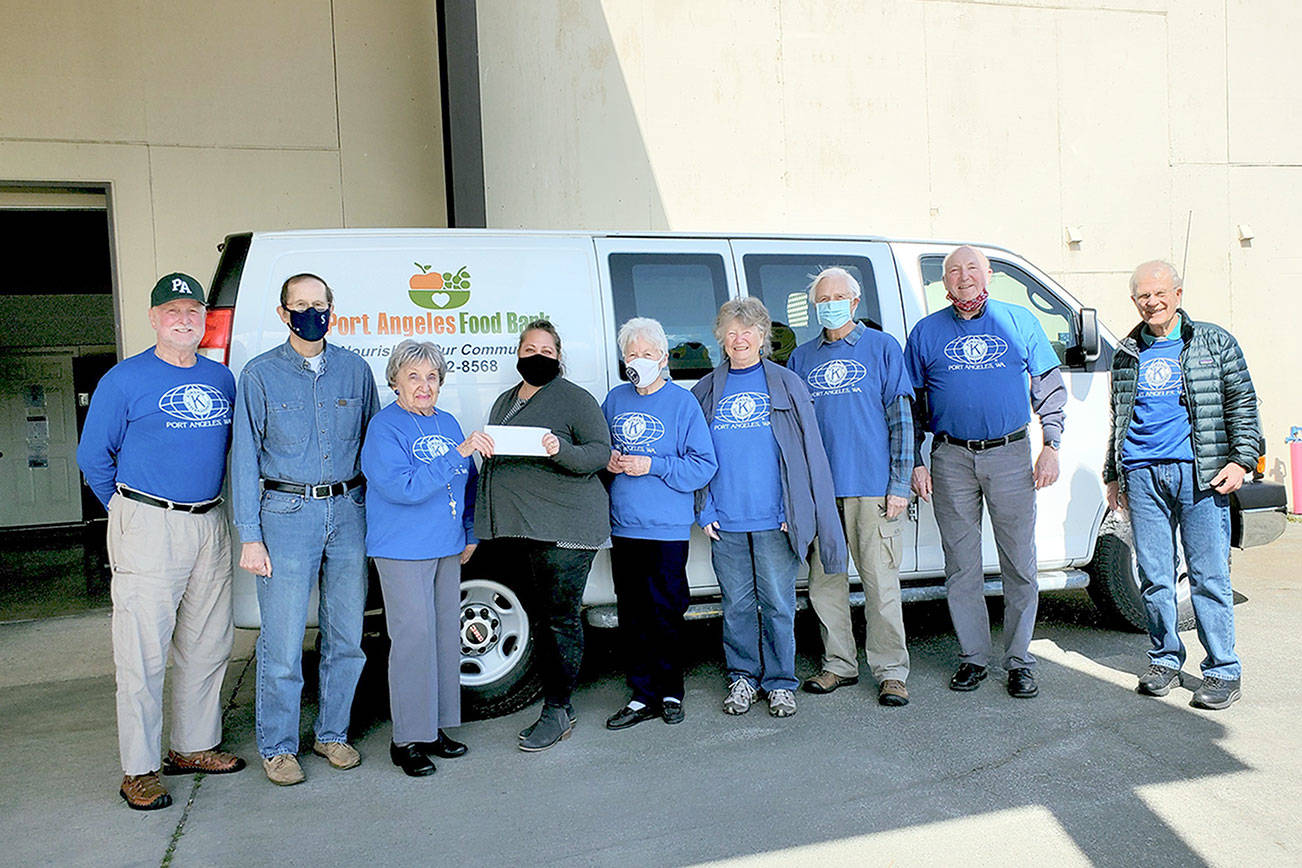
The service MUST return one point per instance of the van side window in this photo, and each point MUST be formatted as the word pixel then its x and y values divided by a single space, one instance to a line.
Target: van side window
pixel 681 290
pixel 1012 285
pixel 782 281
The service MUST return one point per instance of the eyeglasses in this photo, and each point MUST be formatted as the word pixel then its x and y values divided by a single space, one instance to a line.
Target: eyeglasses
pixel 319 307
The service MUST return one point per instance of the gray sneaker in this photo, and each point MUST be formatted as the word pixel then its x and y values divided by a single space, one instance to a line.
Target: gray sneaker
pixel 741 694
pixel 782 703
pixel 1216 693
pixel 1157 680
pixel 569 710
pixel 552 726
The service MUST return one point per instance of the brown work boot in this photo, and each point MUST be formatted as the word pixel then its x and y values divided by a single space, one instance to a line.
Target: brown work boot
pixel 826 682
pixel 892 692
pixel 209 762
pixel 340 754
pixel 144 792
pixel 283 770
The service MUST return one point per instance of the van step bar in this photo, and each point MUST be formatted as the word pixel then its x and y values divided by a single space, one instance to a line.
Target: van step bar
pixel 1050 580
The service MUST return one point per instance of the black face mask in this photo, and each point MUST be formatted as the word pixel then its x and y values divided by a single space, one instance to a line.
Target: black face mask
pixel 538 370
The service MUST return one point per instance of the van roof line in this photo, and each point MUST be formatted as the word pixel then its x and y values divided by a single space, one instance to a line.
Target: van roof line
pixel 583 233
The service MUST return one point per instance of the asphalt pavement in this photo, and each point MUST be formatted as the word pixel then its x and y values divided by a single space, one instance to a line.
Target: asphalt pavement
pixel 1087 773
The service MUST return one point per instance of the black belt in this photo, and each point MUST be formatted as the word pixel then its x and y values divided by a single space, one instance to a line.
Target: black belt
pixel 314 492
pixel 141 497
pixel 981 445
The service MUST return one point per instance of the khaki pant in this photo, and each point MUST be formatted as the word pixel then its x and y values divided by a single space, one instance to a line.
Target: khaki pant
pixel 874 544
pixel 171 588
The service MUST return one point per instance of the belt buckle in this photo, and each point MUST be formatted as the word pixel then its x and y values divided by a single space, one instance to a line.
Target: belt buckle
pixel 315 491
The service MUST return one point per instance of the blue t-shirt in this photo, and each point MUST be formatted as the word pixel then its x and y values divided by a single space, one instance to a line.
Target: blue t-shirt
pixel 976 371
pixel 420 492
pixel 852 382
pixel 667 425
pixel 1159 429
pixel 746 494
pixel 158 428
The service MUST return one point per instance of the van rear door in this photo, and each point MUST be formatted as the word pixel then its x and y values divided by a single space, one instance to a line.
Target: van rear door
pixel 779 272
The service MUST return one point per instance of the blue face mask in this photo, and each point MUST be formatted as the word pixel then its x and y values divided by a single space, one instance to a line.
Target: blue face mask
pixel 310 324
pixel 834 314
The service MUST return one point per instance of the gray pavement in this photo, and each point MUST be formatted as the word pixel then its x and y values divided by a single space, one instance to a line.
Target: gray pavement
pixel 1088 773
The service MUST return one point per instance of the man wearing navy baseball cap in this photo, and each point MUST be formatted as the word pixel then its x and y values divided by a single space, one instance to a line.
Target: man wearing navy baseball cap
pixel 153 450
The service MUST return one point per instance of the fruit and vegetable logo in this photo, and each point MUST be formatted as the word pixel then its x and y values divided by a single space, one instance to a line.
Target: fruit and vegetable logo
pixel 436 291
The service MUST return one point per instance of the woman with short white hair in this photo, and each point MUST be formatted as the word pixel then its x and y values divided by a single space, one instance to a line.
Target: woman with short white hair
pixel 661 454
pixel 772 494
pixel 420 494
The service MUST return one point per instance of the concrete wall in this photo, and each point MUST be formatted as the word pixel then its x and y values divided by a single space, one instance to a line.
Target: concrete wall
pixel 210 118
pixel 1003 121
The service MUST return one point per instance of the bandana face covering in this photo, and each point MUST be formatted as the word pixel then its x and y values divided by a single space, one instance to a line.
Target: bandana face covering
pixel 971 304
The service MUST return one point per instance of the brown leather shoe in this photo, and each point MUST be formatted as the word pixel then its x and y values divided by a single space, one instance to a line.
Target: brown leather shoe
pixel 209 762
pixel 144 792
pixel 339 754
pixel 892 692
pixel 826 682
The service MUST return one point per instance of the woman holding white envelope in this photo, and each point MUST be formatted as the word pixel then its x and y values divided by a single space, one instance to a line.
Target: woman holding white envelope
pixel 541 502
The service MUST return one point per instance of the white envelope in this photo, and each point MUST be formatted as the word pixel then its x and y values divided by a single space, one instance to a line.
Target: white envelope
pixel 516 439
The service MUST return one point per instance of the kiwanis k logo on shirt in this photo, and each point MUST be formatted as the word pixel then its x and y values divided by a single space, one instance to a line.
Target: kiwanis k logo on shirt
pixel 431 446
pixel 1159 378
pixel 636 429
pixel 196 405
pixel 743 410
pixel 836 377
pixel 976 352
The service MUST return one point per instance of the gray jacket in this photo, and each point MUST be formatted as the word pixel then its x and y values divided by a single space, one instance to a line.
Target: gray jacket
pixel 807 491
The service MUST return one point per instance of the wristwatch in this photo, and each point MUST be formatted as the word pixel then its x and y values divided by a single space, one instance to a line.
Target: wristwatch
pixel 1053 444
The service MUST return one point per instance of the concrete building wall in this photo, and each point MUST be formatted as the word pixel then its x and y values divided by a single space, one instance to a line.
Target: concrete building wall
pixel 999 121
pixel 211 118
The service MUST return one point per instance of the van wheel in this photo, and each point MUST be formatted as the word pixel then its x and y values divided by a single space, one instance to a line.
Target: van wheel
pixel 498 666
pixel 1114 582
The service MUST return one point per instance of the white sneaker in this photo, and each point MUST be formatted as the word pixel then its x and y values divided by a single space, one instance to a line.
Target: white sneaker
pixel 782 703
pixel 741 693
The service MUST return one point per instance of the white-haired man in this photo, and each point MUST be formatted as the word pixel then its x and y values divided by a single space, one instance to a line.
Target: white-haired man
pixel 1185 432
pixel 862 396
pixel 971 364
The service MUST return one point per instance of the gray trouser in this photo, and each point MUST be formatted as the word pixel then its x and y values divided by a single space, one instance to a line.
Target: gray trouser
pixel 874 543
pixel 1003 476
pixel 422 607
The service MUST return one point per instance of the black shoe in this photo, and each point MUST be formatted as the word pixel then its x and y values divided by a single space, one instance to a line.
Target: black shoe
pixel 569 711
pixel 1216 693
pixel 552 726
pixel 411 759
pixel 628 716
pixel 1021 683
pixel 445 747
pixel 1158 680
pixel 672 712
pixel 968 677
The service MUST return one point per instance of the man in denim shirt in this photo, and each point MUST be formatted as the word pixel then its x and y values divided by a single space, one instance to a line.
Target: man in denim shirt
pixel 296 480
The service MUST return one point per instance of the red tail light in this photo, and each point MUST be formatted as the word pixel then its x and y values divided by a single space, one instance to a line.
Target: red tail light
pixel 216 343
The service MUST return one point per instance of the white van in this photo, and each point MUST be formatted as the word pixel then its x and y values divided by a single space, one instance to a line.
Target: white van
pixel 472 291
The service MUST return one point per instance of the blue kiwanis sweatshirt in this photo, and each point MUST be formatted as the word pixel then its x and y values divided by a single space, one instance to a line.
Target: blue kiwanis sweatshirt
pixel 746 495
pixel 667 425
pixel 420 492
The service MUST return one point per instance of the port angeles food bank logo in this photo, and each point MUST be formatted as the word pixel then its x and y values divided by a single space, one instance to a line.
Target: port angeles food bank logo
pixel 439 290
pixel 197 405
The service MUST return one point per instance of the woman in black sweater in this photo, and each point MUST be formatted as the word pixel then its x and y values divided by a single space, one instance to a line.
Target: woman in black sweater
pixel 548 515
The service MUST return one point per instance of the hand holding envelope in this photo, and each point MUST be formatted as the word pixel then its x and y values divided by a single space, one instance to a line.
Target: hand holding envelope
pixel 520 440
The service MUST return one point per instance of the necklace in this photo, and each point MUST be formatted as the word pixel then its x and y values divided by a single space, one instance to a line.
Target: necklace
pixel 452 499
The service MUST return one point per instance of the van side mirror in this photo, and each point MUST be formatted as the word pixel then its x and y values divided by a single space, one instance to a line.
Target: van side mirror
pixel 1087 344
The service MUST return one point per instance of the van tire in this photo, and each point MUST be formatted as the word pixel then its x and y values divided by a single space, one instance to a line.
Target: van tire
pixel 499 670
pixel 1114 585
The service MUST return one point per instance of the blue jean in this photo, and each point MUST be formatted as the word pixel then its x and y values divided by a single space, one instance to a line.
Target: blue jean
pixel 757 577
pixel 310 541
pixel 1163 497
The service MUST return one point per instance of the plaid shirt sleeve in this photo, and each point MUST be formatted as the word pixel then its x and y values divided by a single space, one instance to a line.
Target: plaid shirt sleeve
pixel 899 422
